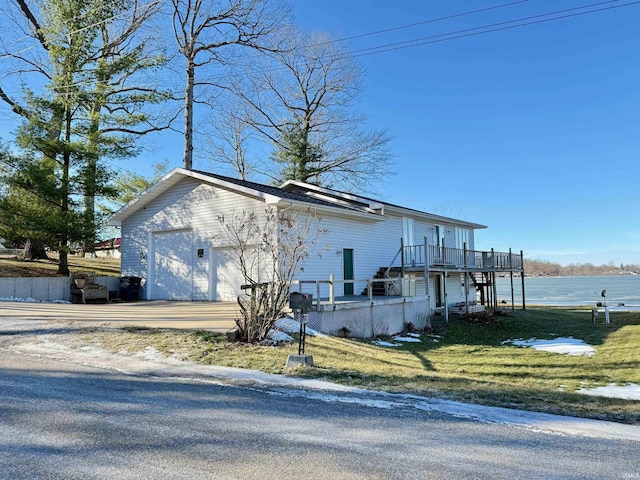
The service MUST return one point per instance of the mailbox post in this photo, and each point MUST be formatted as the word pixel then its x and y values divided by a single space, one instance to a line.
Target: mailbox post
pixel 300 304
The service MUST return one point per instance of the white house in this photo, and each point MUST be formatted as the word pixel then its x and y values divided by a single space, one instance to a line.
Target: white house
pixel 172 239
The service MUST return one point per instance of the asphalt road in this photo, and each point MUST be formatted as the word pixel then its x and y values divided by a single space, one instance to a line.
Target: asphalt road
pixel 60 420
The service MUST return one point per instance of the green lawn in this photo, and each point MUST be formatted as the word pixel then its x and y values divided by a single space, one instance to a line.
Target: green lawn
pixel 468 363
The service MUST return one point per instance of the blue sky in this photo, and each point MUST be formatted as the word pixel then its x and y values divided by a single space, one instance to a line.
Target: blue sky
pixel 531 131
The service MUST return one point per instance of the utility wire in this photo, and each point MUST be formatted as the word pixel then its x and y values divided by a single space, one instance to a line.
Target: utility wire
pixel 425 22
pixel 491 25
pixel 392 47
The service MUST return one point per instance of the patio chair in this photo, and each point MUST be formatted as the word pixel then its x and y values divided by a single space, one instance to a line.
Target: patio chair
pixel 84 288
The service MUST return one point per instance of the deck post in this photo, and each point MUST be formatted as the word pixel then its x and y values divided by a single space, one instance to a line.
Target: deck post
pixel 513 307
pixel 524 305
pixel 426 270
pixel 317 295
pixel 466 284
pixel 444 252
pixel 402 257
pixel 464 246
pixel 332 292
pixel 446 305
pixel 494 291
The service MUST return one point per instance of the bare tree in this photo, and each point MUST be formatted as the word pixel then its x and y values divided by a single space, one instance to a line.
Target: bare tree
pixel 303 100
pixel 210 32
pixel 270 250
pixel 228 138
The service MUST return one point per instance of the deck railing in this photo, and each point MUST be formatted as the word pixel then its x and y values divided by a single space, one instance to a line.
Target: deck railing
pixel 441 256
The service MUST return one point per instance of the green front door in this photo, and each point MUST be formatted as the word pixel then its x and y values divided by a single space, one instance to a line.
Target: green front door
pixel 347 267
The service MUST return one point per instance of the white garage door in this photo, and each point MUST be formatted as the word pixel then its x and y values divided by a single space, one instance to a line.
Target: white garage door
pixel 172 265
pixel 226 277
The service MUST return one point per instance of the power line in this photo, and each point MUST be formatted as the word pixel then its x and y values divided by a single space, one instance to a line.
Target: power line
pixel 456 34
pixel 425 22
pixel 392 47
pixel 491 25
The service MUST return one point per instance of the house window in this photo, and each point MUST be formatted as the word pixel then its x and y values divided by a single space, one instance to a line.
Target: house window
pixel 407 231
pixel 462 238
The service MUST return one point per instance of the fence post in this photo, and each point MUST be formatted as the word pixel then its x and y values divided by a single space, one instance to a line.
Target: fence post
pixel 370 289
pixel 317 295
pixel 332 295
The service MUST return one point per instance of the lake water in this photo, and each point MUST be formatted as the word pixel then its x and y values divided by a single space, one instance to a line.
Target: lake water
pixel 573 290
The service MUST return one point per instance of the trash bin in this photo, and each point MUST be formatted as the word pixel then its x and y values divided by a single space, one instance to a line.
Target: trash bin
pixel 129 288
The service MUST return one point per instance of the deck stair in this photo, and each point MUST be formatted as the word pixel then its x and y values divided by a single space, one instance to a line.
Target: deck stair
pixel 380 288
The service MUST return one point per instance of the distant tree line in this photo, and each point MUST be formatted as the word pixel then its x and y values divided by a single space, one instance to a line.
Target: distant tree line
pixel 546 268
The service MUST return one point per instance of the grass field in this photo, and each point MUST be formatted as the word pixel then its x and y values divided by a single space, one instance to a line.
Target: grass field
pixel 11 267
pixel 468 363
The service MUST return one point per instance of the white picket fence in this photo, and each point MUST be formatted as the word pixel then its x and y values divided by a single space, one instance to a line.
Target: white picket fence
pixel 46 289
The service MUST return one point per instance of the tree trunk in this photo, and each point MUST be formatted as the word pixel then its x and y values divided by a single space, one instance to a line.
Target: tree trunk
pixel 188 115
pixel 34 251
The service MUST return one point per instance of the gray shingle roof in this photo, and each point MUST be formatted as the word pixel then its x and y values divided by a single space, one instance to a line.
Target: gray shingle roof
pixel 275 191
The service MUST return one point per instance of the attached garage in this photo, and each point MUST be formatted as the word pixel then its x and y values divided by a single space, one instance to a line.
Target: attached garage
pixel 176 275
pixel 225 278
pixel 171 269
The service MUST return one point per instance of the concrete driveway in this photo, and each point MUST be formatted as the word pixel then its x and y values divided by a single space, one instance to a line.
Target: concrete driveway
pixel 216 316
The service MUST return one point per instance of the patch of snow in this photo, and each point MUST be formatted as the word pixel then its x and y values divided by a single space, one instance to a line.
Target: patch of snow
pixel 150 354
pixel 382 343
pixel 406 339
pixel 568 345
pixel 416 335
pixel 29 300
pixel 434 336
pixel 16 299
pixel 279 337
pixel 630 391
pixel 435 340
pixel 536 421
pixel 289 325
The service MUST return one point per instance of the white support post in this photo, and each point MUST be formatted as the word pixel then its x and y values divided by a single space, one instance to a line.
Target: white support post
pixel 332 293
pixel 446 304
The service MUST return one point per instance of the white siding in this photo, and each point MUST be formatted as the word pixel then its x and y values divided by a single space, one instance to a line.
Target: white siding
pixel 188 205
pixel 424 229
pixel 455 290
pixel 195 206
pixel 374 243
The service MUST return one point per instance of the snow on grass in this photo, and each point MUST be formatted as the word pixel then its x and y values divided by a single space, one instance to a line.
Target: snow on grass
pixel 411 337
pixel 566 345
pixel 382 343
pixel 28 300
pixel 630 391
pixel 289 325
pixel 279 337
pixel 406 339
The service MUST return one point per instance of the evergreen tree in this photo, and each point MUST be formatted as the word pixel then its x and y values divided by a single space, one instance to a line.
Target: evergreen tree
pixel 299 159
